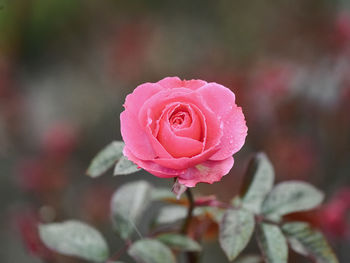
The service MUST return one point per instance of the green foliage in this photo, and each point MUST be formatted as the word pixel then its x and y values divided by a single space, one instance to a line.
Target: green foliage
pixel 74 238
pixel 289 197
pixel 272 243
pixel 236 229
pixel 170 214
pixel 259 205
pixel 151 251
pixel 309 242
pixel 261 184
pixel 124 166
pixel 173 213
pixel 105 159
pixel 179 242
pixel 128 204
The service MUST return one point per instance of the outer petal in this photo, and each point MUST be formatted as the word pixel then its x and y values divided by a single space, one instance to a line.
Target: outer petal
pixel 222 101
pixel 175 82
pixel 138 97
pixel 135 137
pixel 194 83
pixel 171 82
pixel 207 172
pixel 132 132
pixel 186 162
pixel 152 167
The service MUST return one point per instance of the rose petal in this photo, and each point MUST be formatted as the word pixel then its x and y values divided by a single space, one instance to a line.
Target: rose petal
pixel 152 167
pixel 185 162
pixel 159 149
pixel 133 134
pixel 194 83
pixel 171 82
pixel 222 101
pixel 177 146
pixel 135 137
pixel 207 172
pixel 175 82
pixel 138 97
pixel 157 103
pixel 196 126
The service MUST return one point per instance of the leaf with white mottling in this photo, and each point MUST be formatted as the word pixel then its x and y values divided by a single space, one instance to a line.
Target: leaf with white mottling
pixel 215 213
pixel 151 251
pixel 127 205
pixel 272 243
pixel 105 159
pixel 173 213
pixel 236 229
pixel 289 197
pixel 261 169
pixel 124 166
pixel 74 238
pixel 179 242
pixel 309 242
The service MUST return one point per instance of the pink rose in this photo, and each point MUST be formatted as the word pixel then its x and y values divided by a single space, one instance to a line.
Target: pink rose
pixel 186 129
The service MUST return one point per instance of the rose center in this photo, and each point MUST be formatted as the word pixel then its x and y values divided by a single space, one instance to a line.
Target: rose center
pixel 180 119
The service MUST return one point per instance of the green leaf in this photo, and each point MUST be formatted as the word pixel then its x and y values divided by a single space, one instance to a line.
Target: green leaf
pixel 291 197
pixel 105 159
pixel 216 213
pixel 236 229
pixel 124 166
pixel 272 243
pixel 127 205
pixel 74 238
pixel 260 168
pixel 151 251
pixel 309 242
pixel 173 213
pixel 179 242
pixel 249 259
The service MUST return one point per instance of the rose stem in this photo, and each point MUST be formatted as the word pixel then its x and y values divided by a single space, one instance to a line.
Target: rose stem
pixel 191 256
pixel 188 219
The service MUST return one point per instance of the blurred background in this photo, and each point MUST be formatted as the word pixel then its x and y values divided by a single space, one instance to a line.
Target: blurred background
pixel 67 65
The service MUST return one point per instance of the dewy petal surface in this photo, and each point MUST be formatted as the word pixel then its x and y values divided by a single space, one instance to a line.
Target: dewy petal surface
pixel 185 162
pixel 222 101
pixel 138 97
pixel 132 132
pixel 153 168
pixel 135 137
pixel 166 97
pixel 187 129
pixel 206 172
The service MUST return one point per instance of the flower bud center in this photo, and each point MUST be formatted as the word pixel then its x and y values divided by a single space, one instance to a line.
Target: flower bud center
pixel 180 119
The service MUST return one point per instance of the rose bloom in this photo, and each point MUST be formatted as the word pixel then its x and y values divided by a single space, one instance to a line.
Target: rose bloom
pixel 187 129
